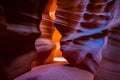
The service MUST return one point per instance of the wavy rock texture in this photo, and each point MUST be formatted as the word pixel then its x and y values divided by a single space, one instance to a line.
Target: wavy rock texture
pixel 19 21
pixel 110 66
pixel 83 24
pixel 44 45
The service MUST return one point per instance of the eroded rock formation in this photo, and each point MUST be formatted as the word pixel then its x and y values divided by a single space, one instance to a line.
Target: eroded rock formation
pixel 45 45
pixel 19 28
pixel 110 66
pixel 83 25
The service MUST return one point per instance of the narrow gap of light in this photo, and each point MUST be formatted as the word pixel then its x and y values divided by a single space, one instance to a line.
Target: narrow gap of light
pixel 60 59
